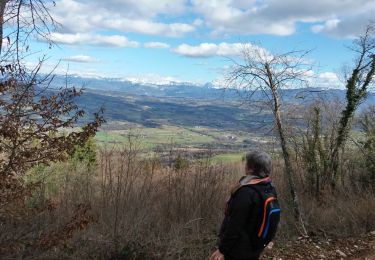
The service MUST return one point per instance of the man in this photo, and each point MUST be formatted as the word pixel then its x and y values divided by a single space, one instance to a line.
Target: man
pixel 244 211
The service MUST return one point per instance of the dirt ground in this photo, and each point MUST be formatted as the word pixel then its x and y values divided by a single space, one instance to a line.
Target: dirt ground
pixel 361 248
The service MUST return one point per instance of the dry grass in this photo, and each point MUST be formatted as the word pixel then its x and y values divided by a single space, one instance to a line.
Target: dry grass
pixel 132 207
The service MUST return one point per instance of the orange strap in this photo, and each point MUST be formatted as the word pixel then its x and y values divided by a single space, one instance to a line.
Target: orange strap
pixel 264 214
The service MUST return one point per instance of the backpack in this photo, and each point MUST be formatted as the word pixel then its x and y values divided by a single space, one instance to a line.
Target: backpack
pixel 269 216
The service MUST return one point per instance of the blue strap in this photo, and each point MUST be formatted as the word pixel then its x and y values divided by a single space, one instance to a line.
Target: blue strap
pixel 268 222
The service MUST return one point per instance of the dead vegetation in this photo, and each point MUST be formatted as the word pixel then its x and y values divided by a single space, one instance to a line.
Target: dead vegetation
pixel 130 206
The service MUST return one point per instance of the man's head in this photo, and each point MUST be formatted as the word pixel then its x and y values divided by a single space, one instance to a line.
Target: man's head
pixel 258 163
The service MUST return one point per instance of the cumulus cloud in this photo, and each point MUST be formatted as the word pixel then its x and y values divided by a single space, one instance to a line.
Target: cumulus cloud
pixel 148 27
pixel 328 80
pixel 351 27
pixel 280 17
pixel 156 45
pixel 205 50
pixel 222 18
pixel 137 16
pixel 93 39
pixel 328 25
pixel 137 8
pixel 202 50
pixel 82 59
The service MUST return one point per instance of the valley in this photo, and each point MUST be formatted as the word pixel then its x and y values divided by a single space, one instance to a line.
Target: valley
pixel 193 119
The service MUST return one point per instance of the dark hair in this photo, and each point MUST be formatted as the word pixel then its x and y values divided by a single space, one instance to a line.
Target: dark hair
pixel 259 162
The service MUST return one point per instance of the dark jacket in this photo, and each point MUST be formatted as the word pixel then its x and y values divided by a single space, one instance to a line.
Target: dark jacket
pixel 240 224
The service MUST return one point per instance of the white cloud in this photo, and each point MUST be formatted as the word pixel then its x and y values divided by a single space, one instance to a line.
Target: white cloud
pixel 222 18
pixel 328 25
pixel 156 45
pixel 93 39
pixel 351 27
pixel 328 80
pixel 209 49
pixel 154 79
pixel 135 8
pixel 148 27
pixel 137 16
pixel 202 50
pixel 325 80
pixel 239 17
pixel 115 40
pixel 219 83
pixel 280 17
pixel 82 59
pixel 224 49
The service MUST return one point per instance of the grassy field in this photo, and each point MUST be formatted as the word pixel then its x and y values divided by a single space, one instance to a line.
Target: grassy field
pixel 168 134
pixel 229 157
pixel 151 137
pixel 225 145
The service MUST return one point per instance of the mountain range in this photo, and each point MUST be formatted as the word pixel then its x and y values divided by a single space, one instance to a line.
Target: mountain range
pixel 152 104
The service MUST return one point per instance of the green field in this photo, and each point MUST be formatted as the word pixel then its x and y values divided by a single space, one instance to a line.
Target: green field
pixel 229 157
pixel 225 145
pixel 155 136
pixel 168 134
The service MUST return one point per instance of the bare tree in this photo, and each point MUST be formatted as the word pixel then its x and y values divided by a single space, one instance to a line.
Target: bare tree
pixel 23 20
pixel 2 11
pixel 32 114
pixel 357 86
pixel 263 73
pixel 39 123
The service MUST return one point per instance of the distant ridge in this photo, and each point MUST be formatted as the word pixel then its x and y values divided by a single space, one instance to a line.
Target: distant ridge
pixel 185 104
pixel 135 86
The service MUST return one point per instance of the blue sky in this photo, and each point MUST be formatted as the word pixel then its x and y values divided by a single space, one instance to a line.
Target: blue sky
pixel 191 40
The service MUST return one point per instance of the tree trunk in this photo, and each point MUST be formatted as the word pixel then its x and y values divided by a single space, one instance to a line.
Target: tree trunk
pixel 2 10
pixel 288 166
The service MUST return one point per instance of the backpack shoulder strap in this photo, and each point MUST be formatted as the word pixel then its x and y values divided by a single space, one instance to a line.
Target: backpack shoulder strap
pixel 256 188
pixel 253 187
